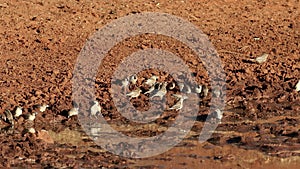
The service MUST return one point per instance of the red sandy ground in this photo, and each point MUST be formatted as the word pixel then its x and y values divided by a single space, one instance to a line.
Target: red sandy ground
pixel 41 39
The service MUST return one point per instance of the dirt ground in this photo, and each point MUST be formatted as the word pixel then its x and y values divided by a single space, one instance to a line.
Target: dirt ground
pixel 41 39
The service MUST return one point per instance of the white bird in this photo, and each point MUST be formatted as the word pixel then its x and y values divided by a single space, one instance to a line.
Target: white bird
pixel 95 109
pixel 32 116
pixel 262 58
pixel 150 90
pixel 179 104
pixel 18 112
pixel 172 86
pixel 31 130
pixel 219 114
pixel 198 89
pixel 43 107
pixel 133 79
pixel 135 93
pixel 151 81
pixel 162 91
pixel 73 112
pixel 298 86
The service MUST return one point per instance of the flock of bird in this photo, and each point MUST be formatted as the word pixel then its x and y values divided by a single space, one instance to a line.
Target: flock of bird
pixel 9 117
pixel 159 89
pixel 155 89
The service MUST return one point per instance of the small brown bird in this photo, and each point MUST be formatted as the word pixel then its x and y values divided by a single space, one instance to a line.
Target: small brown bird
pixel 260 59
pixel 125 83
pixel 177 96
pixel 135 93
pixel 188 89
pixel 204 90
pixel 133 79
pixel 150 90
pixel 219 114
pixel 162 91
pixel 179 104
pixel 32 116
pixel 216 92
pixel 43 107
pixel 95 109
pixel 151 81
pixel 198 89
pixel 298 86
pixel 172 86
pixel 181 86
pixel 8 117
pixel 31 130
pixel 18 112
pixel 73 112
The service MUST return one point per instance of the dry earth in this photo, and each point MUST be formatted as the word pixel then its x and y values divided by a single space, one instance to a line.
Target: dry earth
pixel 41 39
